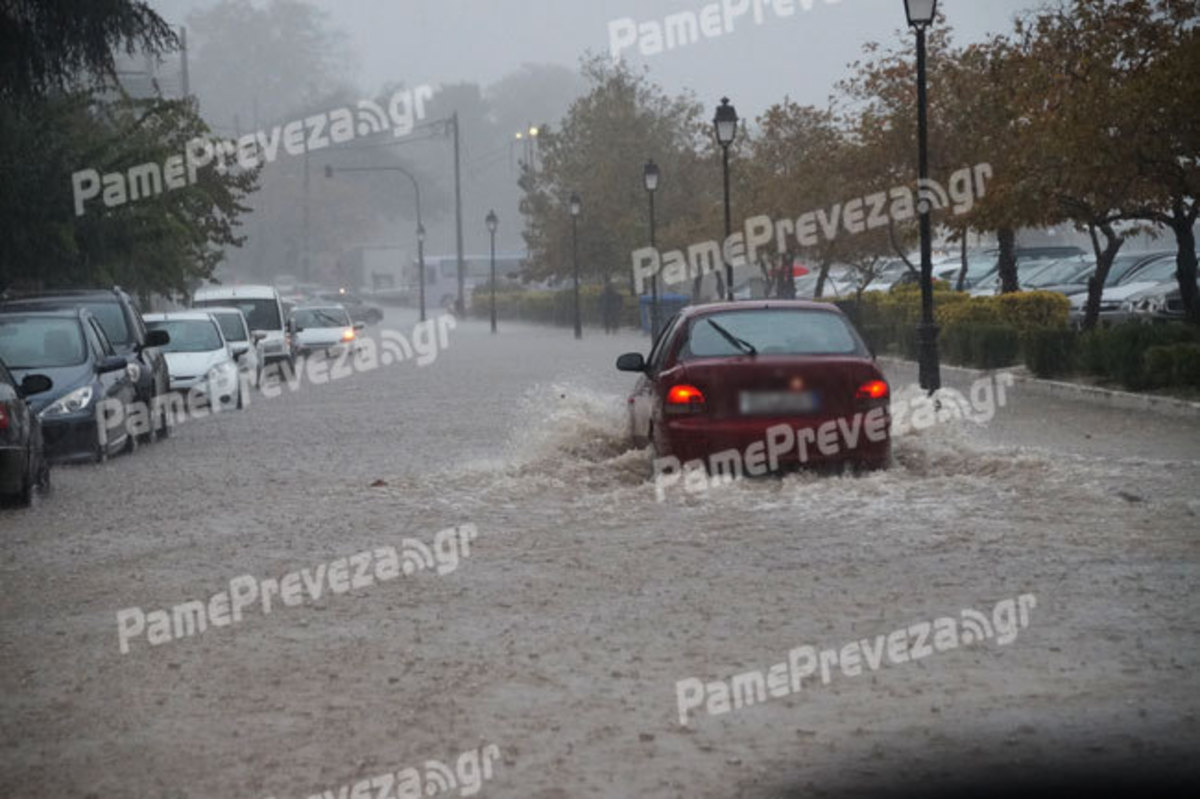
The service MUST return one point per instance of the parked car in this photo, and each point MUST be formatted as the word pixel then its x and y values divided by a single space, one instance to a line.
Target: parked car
pixel 246 345
pixel 23 464
pixel 323 328
pixel 721 375
pixel 263 309
pixel 125 328
pixel 200 359
pixel 359 309
pixel 1148 275
pixel 71 349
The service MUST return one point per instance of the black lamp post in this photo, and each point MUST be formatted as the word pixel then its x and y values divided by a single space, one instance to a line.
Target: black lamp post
pixel 421 264
pixel 650 179
pixel 329 172
pixel 921 14
pixel 725 122
pixel 576 207
pixel 492 222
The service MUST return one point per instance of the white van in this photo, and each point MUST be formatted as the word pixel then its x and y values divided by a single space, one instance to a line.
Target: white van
pixel 263 310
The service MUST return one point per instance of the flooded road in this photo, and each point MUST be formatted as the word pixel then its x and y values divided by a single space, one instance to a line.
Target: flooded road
pixel 562 635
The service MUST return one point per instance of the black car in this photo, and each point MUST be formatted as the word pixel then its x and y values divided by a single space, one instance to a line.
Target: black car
pixel 118 314
pixel 23 462
pixel 82 414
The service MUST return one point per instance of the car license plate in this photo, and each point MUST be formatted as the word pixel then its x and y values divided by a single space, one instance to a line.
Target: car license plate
pixel 762 403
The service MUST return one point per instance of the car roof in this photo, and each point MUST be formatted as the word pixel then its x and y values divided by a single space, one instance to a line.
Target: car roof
pixel 60 313
pixel 757 305
pixel 229 309
pixel 198 316
pixel 234 292
pixel 319 306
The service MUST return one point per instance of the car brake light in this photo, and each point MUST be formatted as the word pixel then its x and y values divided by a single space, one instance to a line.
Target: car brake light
pixel 3 417
pixel 684 399
pixel 348 334
pixel 872 390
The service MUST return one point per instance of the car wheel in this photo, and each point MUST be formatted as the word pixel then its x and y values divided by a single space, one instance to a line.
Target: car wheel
pixel 43 477
pixel 148 436
pixel 99 449
pixel 163 424
pixel 239 404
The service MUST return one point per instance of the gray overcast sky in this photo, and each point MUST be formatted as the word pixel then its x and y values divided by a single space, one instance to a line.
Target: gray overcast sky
pixel 445 41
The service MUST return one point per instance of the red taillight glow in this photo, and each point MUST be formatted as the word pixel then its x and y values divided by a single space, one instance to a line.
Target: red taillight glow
pixel 684 395
pixel 3 417
pixel 872 390
pixel 684 399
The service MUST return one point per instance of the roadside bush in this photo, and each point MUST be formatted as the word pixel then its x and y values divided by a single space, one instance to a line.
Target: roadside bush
pixel 1121 354
pixel 1025 310
pixel 994 346
pixel 1049 351
pixel 1172 365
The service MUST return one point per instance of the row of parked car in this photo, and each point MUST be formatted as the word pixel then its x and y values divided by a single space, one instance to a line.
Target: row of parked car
pixel 1140 285
pixel 64 355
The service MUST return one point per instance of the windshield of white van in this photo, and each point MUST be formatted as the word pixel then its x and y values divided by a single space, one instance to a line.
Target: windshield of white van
pixel 260 314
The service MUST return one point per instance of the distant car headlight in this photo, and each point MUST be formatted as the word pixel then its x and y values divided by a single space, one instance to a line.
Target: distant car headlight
pixel 70 403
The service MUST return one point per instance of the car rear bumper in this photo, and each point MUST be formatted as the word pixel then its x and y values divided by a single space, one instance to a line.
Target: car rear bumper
pixel 70 438
pixel 13 467
pixel 859 437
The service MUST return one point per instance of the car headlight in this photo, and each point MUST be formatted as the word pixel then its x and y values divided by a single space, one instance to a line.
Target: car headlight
pixel 73 402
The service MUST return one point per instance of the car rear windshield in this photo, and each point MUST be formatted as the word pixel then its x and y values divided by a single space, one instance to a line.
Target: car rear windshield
pixel 771 331
pixel 41 343
pixel 260 314
pixel 111 317
pixel 320 317
pixel 231 326
pixel 188 335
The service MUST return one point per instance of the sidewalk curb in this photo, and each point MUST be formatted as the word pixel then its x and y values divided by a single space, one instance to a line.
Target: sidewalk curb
pixel 1124 400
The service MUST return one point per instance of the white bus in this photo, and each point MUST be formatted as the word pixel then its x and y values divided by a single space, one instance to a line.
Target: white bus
pixel 441 275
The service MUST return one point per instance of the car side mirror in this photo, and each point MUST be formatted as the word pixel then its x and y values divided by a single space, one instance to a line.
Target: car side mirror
pixel 258 335
pixel 35 384
pixel 111 364
pixel 157 338
pixel 360 326
pixel 631 362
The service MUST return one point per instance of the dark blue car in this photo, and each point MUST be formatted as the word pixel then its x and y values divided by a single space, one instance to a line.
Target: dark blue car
pixel 22 458
pixel 70 348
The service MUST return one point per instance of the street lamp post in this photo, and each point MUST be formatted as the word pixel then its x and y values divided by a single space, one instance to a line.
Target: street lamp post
pixel 492 223
pixel 921 14
pixel 576 207
pixel 725 122
pixel 421 264
pixel 650 177
pixel 329 172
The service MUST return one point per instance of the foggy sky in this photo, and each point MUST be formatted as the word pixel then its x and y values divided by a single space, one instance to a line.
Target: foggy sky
pixel 447 41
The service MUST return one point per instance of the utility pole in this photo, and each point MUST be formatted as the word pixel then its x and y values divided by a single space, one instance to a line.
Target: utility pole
pixel 183 51
pixel 306 254
pixel 460 304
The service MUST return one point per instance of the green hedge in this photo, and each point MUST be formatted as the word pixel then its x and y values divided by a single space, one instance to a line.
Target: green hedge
pixel 554 307
pixel 1030 327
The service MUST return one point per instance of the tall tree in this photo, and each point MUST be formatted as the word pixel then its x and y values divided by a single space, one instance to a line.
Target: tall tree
pixel 55 45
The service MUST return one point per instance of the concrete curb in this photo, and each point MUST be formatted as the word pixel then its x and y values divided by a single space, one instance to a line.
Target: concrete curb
pixel 1123 400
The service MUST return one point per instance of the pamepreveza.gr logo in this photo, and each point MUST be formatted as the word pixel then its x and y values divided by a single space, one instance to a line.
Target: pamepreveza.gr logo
pixel 804 663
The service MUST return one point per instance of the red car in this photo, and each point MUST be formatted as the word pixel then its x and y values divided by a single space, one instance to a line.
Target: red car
pixel 756 386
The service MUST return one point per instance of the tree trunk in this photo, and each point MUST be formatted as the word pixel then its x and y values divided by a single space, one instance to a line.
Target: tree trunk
pixel 1007 238
pixel 1104 260
pixel 1185 260
pixel 962 272
pixel 822 276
